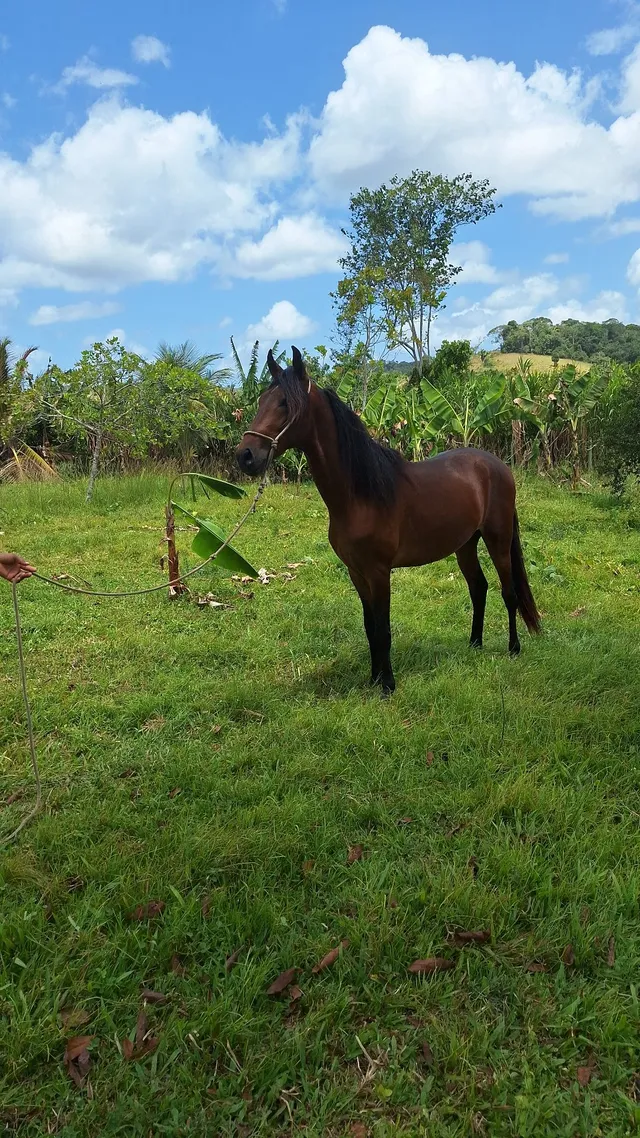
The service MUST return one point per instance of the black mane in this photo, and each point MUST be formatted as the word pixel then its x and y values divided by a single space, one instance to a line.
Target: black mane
pixel 295 393
pixel 371 469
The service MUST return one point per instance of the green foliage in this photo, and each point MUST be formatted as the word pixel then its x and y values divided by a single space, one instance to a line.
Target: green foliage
pixel 618 427
pixel 210 538
pixel 572 339
pixel 398 270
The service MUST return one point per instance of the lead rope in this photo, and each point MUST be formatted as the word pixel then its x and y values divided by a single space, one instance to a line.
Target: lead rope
pixel 97 593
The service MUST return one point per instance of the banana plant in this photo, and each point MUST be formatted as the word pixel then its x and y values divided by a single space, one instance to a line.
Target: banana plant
pixel 209 537
pixel 472 419
pixel 576 396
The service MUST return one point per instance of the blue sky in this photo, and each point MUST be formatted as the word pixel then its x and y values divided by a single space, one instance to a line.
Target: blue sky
pixel 173 172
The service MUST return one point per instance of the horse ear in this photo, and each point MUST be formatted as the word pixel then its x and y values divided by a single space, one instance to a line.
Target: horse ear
pixel 274 366
pixel 298 365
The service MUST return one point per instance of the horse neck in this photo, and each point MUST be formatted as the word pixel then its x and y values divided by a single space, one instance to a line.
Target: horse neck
pixel 321 449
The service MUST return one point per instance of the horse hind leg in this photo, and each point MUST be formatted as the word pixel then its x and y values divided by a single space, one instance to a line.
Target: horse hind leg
pixel 499 547
pixel 477 582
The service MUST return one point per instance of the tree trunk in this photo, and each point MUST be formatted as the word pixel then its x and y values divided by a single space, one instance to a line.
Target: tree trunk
pixel 95 465
pixel 176 587
pixel 517 440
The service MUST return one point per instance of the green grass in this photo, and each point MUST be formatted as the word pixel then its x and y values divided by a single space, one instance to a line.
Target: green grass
pixel 525 822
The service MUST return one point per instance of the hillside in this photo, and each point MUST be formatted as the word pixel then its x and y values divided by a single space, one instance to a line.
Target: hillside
pixel 505 361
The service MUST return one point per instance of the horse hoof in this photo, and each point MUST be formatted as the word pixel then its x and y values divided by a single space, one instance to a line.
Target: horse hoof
pixel 475 644
pixel 514 650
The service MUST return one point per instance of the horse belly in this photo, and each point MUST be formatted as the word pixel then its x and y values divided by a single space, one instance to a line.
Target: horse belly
pixel 423 540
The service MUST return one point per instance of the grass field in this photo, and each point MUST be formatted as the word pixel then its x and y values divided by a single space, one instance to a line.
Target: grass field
pixel 224 762
pixel 505 361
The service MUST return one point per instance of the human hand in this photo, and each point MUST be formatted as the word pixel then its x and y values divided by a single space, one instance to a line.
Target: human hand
pixel 14 568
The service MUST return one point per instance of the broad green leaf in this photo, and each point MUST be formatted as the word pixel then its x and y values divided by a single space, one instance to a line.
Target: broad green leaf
pixel 227 489
pixel 440 414
pixel 209 538
pixel 491 406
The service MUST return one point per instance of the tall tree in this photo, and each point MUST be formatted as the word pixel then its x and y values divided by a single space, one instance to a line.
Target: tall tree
pixel 98 395
pixel 399 264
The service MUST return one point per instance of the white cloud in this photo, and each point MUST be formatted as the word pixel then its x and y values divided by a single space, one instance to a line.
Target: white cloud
pixel 133 196
pixel 225 322
pixel 280 6
pixel 400 107
pixel 149 49
pixel 624 227
pixel 541 294
pixel 294 247
pixel 4 43
pixel 65 313
pixel 633 269
pixel 475 260
pixel 556 258
pixel 611 40
pixel 608 305
pixel 7 100
pixel 282 322
pixel 630 92
pixel 86 71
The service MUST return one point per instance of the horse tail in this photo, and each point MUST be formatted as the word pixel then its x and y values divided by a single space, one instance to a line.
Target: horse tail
pixel 526 604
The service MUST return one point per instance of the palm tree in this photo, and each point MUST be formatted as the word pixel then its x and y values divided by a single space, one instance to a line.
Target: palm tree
pixel 187 356
pixel 22 461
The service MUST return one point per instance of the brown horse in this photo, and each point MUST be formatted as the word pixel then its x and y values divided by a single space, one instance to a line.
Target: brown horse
pixel 385 512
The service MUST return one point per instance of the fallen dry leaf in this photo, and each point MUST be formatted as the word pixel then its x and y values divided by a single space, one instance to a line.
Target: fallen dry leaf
pixel 77 1059
pixel 433 964
pixel 15 797
pixel 427 1055
pixel 145 1044
pixel 142 1027
pixel 129 773
pixel 463 936
pixel 536 966
pixel 74 1017
pixel 147 911
pixel 358 1130
pixel 206 906
pixel 355 854
pixel 330 958
pixel 393 904
pixel 405 821
pixel 232 960
pixel 568 956
pixel 151 997
pixel 295 993
pixel 177 967
pixel 584 1075
pixel 307 866
pixel 611 954
pixel 429 758
pixel 579 611
pixel 282 981
pixel 175 792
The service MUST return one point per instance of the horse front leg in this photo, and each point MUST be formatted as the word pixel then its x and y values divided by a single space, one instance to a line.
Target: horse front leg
pixel 378 626
pixel 381 605
pixel 362 589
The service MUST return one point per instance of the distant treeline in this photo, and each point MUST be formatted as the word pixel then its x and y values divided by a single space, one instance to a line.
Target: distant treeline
pixel 572 339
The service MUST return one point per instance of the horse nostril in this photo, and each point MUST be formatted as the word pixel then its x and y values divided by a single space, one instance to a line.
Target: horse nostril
pixel 247 457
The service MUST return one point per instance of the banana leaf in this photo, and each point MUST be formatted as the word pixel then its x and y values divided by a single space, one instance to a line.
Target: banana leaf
pixel 227 489
pixel 209 538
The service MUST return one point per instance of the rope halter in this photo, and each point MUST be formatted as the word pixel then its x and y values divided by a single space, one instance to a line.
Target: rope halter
pixel 270 438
